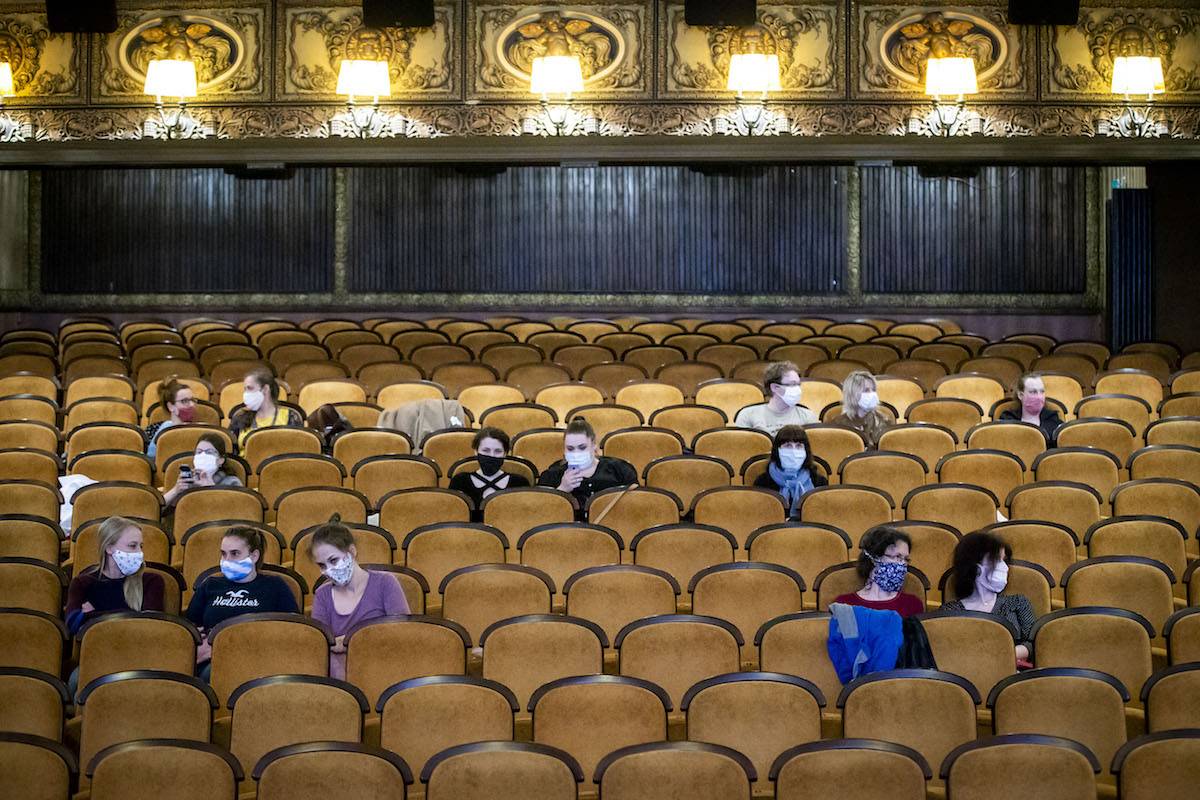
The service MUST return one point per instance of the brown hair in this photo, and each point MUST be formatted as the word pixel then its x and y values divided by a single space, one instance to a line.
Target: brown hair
pixel 216 440
pixel 1028 376
pixel 255 539
pixel 110 531
pixel 332 533
pixel 580 425
pixel 775 372
pixel 969 554
pixel 169 389
pixel 265 379
pixel 873 544
pixel 490 432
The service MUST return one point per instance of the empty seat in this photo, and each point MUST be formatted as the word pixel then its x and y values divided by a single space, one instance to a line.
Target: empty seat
pixel 1182 632
pixel 1017 766
pixel 316 770
pixel 853 509
pixel 748 594
pixel 1159 766
pixel 695 770
pixel 1074 505
pixel 880 769
pixel 128 640
pixel 1141 585
pixel 926 441
pixel 683 550
pixel 518 770
pixel 260 645
pixel 973 645
pixel 388 651
pixel 614 596
pixel 437 550
pixel 31 702
pixel 32 584
pixel 478 596
pixel 963 507
pixel 562 549
pixel 153 768
pixel 36 768
pixel 1172 698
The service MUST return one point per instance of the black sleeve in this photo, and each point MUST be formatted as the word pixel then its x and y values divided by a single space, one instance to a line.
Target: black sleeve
pixel 519 481
pixel 1025 619
pixel 553 476
pixel 284 601
pixel 817 478
pixel 625 472
pixel 1008 415
pixel 199 602
pixel 764 481
pixel 461 482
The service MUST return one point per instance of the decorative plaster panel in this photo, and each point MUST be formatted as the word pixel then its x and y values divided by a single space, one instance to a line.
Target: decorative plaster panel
pixel 1080 59
pixel 892 41
pixel 47 67
pixel 612 42
pixel 311 42
pixel 224 39
pixel 694 61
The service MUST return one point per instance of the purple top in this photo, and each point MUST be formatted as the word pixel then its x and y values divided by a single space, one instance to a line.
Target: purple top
pixel 383 597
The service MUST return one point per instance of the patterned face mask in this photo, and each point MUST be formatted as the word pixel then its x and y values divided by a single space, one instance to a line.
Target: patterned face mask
pixel 888 576
pixel 342 572
pixel 128 562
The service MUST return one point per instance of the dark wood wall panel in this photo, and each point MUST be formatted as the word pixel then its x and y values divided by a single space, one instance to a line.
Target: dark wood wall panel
pixel 185 230
pixel 1009 230
pixel 611 229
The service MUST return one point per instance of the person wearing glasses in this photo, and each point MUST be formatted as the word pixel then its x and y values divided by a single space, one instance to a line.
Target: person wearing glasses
pixel 883 566
pixel 180 403
pixel 782 382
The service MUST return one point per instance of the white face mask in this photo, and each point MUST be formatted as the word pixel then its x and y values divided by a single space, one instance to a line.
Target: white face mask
pixel 253 400
pixel 996 580
pixel 342 572
pixel 792 457
pixel 579 459
pixel 205 462
pixel 791 395
pixel 869 401
pixel 128 562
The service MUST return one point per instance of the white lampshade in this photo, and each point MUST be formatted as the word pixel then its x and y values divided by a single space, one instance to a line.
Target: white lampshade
pixel 753 73
pixel 364 78
pixel 556 75
pixel 1138 75
pixel 171 78
pixel 6 80
pixel 950 77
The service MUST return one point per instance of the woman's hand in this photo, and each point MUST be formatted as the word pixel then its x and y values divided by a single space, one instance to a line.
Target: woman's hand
pixel 339 645
pixel 1022 653
pixel 202 479
pixel 203 652
pixel 570 481
pixel 87 608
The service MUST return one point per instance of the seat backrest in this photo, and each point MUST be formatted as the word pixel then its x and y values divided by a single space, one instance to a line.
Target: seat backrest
pixel 1182 632
pixel 1141 585
pixel 31 703
pixel 527 651
pixel 854 509
pixel 748 594
pixel 390 650
pixel 174 768
pixel 483 770
pixel 515 511
pixel 562 549
pixel 1158 538
pixel 683 550
pixel 895 473
pixel 1159 766
pixel 1172 698
pixel 1074 505
pixel 322 769
pixel 676 651
pixel 613 596
pixel 998 471
pixel 437 550
pixel 696 770
pixel 1109 640
pixel 32 640
pixel 421 717
pixel 880 769
pixel 630 513
pixel 136 641
pixel 36 768
pixel 480 595
pixel 1021 765
pixel 741 510
pixel 962 506
pixel 977 646
pixel 260 645
pixel 759 714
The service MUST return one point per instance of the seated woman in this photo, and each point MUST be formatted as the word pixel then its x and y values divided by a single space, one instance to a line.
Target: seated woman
pixel 860 408
pixel 883 566
pixel 790 471
pixel 980 575
pixel 491 447
pixel 239 589
pixel 206 469
pixel 582 472
pixel 1031 394
pixel 352 595
pixel 260 396
pixel 118 582
pixel 180 403
pixel 328 422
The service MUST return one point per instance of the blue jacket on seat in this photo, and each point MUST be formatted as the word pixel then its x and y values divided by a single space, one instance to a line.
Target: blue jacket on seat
pixel 863 640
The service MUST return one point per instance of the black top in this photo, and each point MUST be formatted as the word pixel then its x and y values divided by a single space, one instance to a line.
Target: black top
pixel 107 595
pixel 1049 421
pixel 610 472
pixel 219 598
pixel 1012 607
pixel 462 483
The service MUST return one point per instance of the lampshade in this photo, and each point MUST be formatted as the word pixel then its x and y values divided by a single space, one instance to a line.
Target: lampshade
pixel 556 75
pixel 1138 75
pixel 6 80
pixel 950 77
pixel 753 73
pixel 171 78
pixel 364 78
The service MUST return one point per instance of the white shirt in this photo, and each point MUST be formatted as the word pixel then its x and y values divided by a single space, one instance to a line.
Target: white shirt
pixel 764 419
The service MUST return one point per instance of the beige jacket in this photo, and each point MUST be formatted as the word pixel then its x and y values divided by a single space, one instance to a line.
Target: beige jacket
pixel 422 417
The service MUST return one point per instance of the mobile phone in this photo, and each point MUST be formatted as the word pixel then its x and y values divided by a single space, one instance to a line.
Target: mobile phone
pixel 185 474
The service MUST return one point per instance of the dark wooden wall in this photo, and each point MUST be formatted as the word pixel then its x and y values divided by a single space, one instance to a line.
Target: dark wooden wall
pixel 771 230
pixel 1005 230
pixel 1176 252
pixel 119 231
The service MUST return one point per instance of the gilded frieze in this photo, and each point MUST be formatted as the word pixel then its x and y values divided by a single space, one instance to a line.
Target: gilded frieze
pixel 612 42
pixel 694 61
pixel 312 41
pixel 46 67
pixel 894 40
pixel 224 41
pixel 1080 59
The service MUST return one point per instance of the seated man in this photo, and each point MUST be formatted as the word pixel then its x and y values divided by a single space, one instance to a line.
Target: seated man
pixel 782 382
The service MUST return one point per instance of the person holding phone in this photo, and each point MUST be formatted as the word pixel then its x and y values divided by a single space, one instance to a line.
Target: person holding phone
pixel 583 472
pixel 205 470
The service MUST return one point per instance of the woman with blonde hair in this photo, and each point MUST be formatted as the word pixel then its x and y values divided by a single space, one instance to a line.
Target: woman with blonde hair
pixel 860 408
pixel 118 581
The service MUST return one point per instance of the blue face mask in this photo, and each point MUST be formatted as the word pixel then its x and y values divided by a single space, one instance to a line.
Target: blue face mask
pixel 791 458
pixel 889 576
pixel 237 570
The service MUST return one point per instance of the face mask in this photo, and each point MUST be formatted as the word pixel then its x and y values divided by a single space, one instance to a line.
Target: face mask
pixel 205 462
pixel 791 395
pixel 1033 404
pixel 869 401
pixel 127 562
pixel 791 458
pixel 253 400
pixel 889 576
pixel 996 580
pixel 186 413
pixel 237 570
pixel 342 572
pixel 579 459
pixel 490 465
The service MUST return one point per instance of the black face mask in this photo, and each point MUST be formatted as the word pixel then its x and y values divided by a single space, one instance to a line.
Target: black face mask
pixel 490 465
